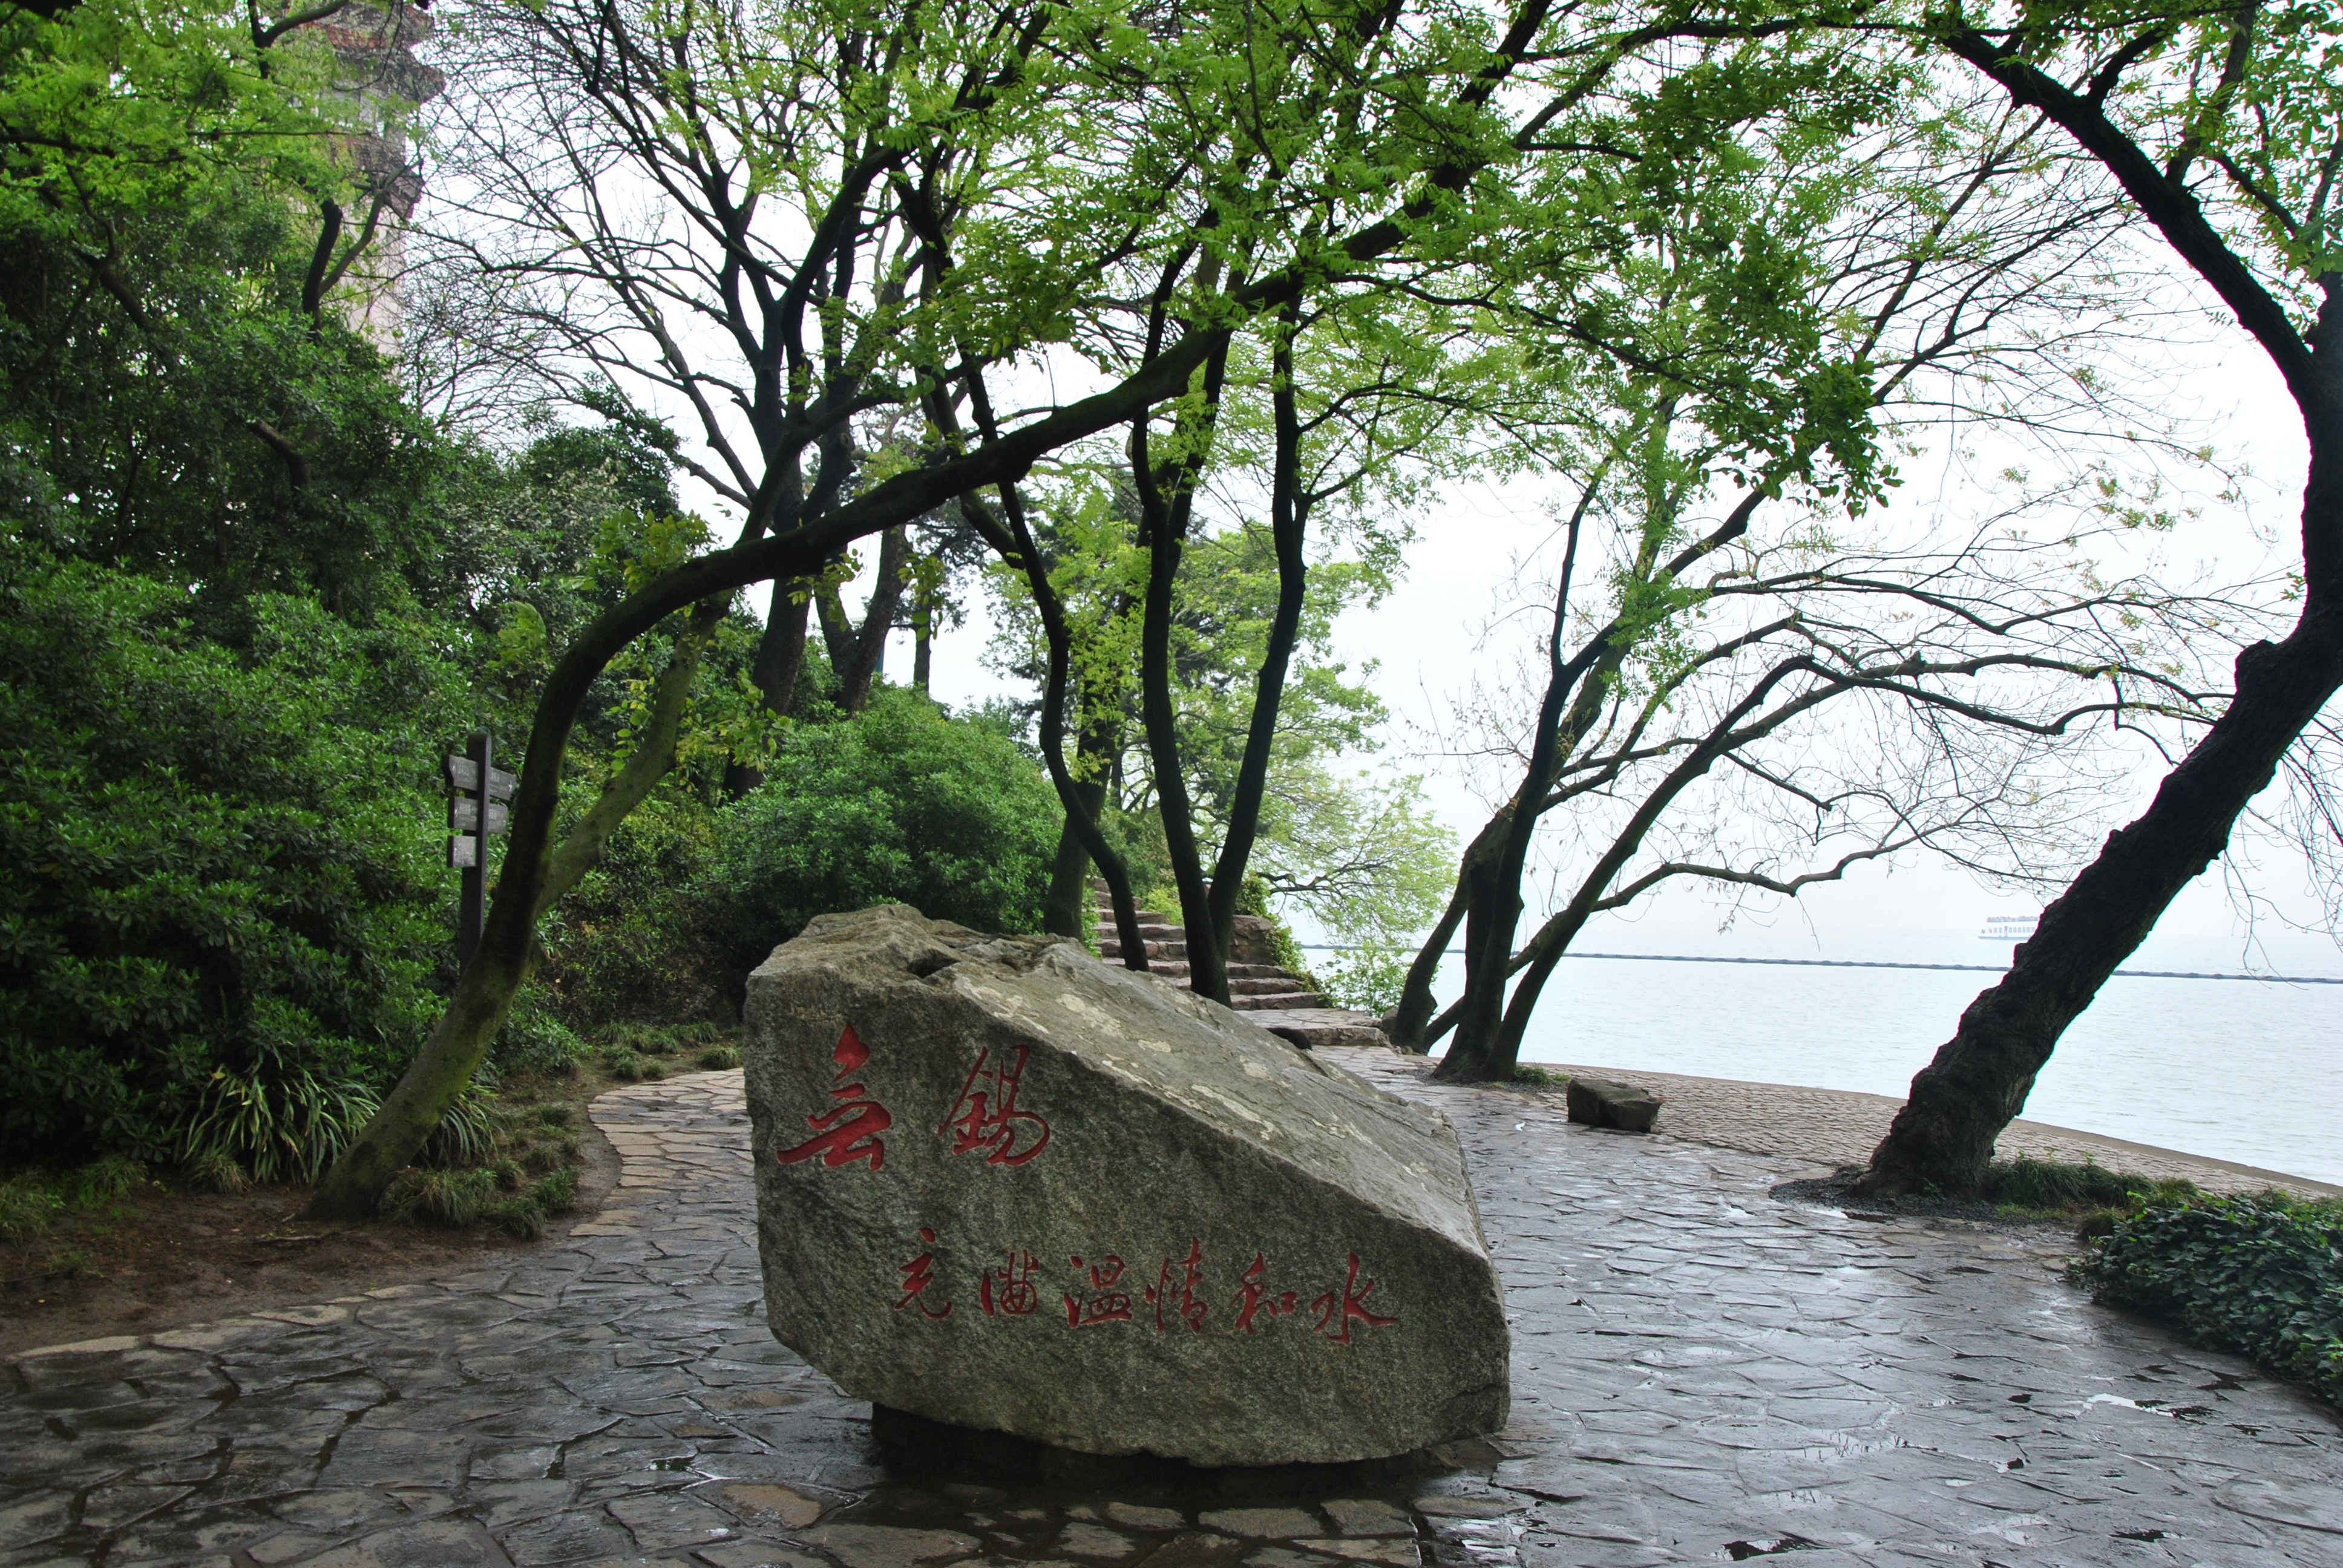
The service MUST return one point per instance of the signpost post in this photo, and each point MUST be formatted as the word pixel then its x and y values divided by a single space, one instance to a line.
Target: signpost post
pixel 476 808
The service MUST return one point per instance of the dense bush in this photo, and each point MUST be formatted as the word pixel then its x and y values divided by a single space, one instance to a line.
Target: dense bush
pixel 902 804
pixel 222 910
pixel 2259 1275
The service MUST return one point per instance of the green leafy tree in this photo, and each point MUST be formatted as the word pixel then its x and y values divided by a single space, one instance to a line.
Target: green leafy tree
pixel 900 803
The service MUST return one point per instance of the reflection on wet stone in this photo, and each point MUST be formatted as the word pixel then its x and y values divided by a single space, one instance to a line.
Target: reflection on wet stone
pixel 1700 1375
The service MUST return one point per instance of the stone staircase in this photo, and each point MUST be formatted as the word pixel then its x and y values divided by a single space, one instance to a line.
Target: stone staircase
pixel 1253 986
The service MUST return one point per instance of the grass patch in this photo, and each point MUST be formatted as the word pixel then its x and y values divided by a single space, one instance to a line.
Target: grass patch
pixel 27 1208
pixel 2030 1189
pixel 718 1058
pixel 1527 1072
pixel 2260 1275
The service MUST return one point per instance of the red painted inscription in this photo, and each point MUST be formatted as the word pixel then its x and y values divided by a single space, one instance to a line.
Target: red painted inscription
pixel 849 1131
pixel 1010 1290
pixel 1108 1306
pixel 1351 1301
pixel 1254 1297
pixel 917 1275
pixel 1192 1309
pixel 987 1117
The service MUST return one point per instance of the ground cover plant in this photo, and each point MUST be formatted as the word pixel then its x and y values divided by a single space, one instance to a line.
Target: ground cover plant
pixel 2261 1274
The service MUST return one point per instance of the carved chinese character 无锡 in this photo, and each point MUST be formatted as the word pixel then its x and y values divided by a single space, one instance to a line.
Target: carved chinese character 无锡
pixel 1004 1186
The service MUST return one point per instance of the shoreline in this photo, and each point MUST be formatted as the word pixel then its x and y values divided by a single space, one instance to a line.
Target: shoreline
pixel 1831 1127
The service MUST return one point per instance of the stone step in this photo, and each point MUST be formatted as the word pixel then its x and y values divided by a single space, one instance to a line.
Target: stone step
pixel 1277 1000
pixel 1277 984
pixel 1111 949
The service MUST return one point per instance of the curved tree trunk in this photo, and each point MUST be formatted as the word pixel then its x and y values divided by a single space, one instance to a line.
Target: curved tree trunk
pixel 1979 1079
pixel 1978 1083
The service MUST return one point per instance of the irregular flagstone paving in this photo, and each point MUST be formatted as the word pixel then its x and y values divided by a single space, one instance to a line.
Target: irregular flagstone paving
pixel 1701 1374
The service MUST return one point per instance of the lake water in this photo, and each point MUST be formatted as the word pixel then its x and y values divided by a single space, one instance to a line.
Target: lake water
pixel 2248 1070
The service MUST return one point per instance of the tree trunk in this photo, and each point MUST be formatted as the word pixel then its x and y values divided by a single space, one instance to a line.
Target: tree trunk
pixel 1979 1079
pixel 494 976
pixel 1070 876
pixel 1977 1084
pixel 1289 511
pixel 1069 892
pixel 781 660
pixel 1408 1020
pixel 857 654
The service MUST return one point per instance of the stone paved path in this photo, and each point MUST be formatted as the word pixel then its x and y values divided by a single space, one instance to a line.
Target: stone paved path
pixel 1701 1374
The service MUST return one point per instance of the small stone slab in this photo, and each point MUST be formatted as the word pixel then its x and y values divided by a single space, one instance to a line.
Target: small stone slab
pixel 1607 1102
pixel 1369 1516
pixel 1005 1187
pixel 1276 1522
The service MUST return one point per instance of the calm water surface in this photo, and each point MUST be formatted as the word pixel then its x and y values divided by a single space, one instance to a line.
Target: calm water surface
pixel 2248 1070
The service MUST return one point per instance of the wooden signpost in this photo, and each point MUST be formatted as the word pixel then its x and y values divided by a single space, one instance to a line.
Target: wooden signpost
pixel 476 808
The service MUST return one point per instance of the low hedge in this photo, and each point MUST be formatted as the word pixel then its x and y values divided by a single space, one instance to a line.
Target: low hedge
pixel 2261 1275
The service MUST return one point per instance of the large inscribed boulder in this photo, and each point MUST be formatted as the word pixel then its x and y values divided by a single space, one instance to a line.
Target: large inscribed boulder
pixel 1004 1186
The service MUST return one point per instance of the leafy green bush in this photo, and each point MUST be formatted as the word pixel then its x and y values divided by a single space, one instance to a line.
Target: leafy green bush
pixel 2260 1275
pixel 901 804
pixel 224 911
pixel 490 1194
pixel 1368 979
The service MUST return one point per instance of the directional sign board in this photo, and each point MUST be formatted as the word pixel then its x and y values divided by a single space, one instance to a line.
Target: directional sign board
pixel 464 815
pixel 464 852
pixel 465 774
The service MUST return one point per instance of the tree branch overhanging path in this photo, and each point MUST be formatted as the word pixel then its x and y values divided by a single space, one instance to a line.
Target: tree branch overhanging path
pixel 858 317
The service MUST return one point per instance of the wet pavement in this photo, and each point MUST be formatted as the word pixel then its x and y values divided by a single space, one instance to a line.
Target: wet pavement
pixel 1701 1374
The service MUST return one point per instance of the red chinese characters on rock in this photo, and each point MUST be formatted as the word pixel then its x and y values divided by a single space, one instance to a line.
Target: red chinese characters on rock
pixel 917 1275
pixel 1009 1291
pixel 1351 1300
pixel 1108 1306
pixel 1253 1297
pixel 1192 1309
pixel 849 1131
pixel 987 1117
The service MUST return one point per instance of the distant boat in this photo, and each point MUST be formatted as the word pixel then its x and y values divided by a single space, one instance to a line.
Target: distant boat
pixel 2008 928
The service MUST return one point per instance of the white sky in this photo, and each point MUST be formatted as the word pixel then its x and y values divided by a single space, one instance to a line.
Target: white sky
pixel 1423 638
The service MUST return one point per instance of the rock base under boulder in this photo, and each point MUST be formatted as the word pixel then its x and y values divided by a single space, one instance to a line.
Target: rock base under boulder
pixel 914 1445
pixel 1607 1102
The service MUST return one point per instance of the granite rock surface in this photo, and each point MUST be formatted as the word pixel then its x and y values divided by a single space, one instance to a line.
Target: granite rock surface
pixel 1004 1186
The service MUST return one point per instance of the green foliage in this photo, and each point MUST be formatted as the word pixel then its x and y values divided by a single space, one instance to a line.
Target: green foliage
pixel 27 1208
pixel 902 804
pixel 1367 980
pixel 720 1058
pixel 226 913
pixel 626 943
pixel 1530 1072
pixel 2026 1183
pixel 2261 1275
pixel 455 1198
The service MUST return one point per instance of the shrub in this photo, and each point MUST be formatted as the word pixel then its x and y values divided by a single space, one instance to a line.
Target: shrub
pixel 1368 979
pixel 533 1039
pixel 629 940
pixel 451 1198
pixel 720 1058
pixel 2259 1275
pixel 901 804
pixel 222 910
pixel 629 1067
